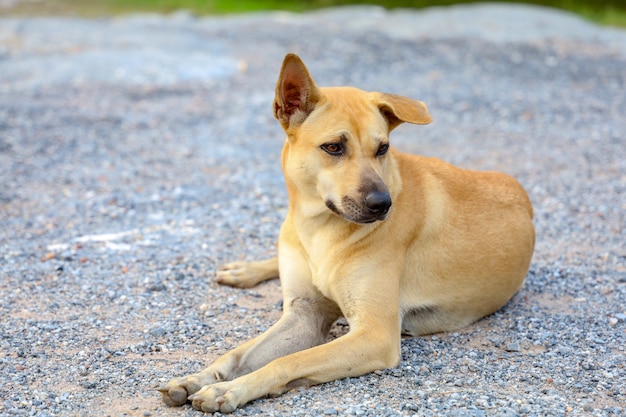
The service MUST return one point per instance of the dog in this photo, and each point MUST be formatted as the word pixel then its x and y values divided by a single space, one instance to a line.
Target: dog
pixel 394 243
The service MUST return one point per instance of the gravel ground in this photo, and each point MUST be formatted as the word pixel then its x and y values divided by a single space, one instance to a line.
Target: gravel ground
pixel 138 153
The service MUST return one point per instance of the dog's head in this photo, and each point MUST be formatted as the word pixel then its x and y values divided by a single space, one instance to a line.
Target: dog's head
pixel 337 154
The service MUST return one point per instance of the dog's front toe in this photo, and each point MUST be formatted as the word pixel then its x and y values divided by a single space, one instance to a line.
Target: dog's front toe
pixel 178 390
pixel 222 397
pixel 173 396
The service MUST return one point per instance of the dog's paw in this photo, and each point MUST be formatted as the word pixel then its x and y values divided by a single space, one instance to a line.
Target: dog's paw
pixel 238 274
pixel 178 390
pixel 224 397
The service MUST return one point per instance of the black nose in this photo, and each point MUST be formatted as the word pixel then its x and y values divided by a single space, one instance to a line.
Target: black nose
pixel 378 202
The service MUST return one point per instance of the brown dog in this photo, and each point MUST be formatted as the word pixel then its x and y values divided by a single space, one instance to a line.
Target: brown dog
pixel 394 243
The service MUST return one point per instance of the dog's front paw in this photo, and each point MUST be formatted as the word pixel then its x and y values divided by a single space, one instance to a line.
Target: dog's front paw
pixel 224 397
pixel 178 390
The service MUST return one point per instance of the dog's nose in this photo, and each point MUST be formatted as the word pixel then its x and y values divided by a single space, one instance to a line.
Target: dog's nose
pixel 378 202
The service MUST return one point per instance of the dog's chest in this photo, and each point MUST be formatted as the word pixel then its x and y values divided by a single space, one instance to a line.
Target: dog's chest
pixel 331 263
pixel 323 263
pixel 322 273
pixel 331 251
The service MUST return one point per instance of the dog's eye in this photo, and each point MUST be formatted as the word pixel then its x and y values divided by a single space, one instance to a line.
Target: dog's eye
pixel 382 149
pixel 335 149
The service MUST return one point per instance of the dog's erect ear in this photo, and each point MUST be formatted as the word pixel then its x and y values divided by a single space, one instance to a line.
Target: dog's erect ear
pixel 296 92
pixel 398 109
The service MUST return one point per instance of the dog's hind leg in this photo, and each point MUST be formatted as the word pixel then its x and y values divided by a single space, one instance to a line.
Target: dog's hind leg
pixel 247 274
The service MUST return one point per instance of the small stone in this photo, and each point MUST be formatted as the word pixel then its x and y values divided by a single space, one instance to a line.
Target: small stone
pixel 513 347
pixel 48 256
pixel 158 332
pixel 411 406
pixel 89 385
pixel 156 287
pixel 330 412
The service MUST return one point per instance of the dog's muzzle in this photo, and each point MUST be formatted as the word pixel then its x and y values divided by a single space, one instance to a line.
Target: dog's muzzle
pixel 373 207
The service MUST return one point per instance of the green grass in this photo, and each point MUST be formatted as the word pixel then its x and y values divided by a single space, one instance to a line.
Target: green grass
pixel 606 12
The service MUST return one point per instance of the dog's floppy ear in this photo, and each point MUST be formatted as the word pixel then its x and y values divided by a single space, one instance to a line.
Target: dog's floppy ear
pixel 398 109
pixel 296 92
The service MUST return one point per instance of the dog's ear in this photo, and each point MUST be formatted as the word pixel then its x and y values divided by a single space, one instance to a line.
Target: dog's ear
pixel 296 92
pixel 398 109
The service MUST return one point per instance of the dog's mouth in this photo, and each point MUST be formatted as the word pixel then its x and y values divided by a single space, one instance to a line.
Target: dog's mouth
pixel 374 207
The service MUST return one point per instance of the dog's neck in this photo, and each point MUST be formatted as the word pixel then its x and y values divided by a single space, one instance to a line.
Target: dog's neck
pixel 310 216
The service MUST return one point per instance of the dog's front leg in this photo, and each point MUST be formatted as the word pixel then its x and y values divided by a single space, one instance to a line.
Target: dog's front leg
pixel 374 344
pixel 305 323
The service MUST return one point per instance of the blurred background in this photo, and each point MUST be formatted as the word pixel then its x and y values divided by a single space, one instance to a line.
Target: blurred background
pixel 606 12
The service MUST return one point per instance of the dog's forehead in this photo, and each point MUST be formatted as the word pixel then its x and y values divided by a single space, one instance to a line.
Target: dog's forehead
pixel 349 99
pixel 353 111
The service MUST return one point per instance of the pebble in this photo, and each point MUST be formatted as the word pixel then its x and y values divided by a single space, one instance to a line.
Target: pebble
pixel 513 347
